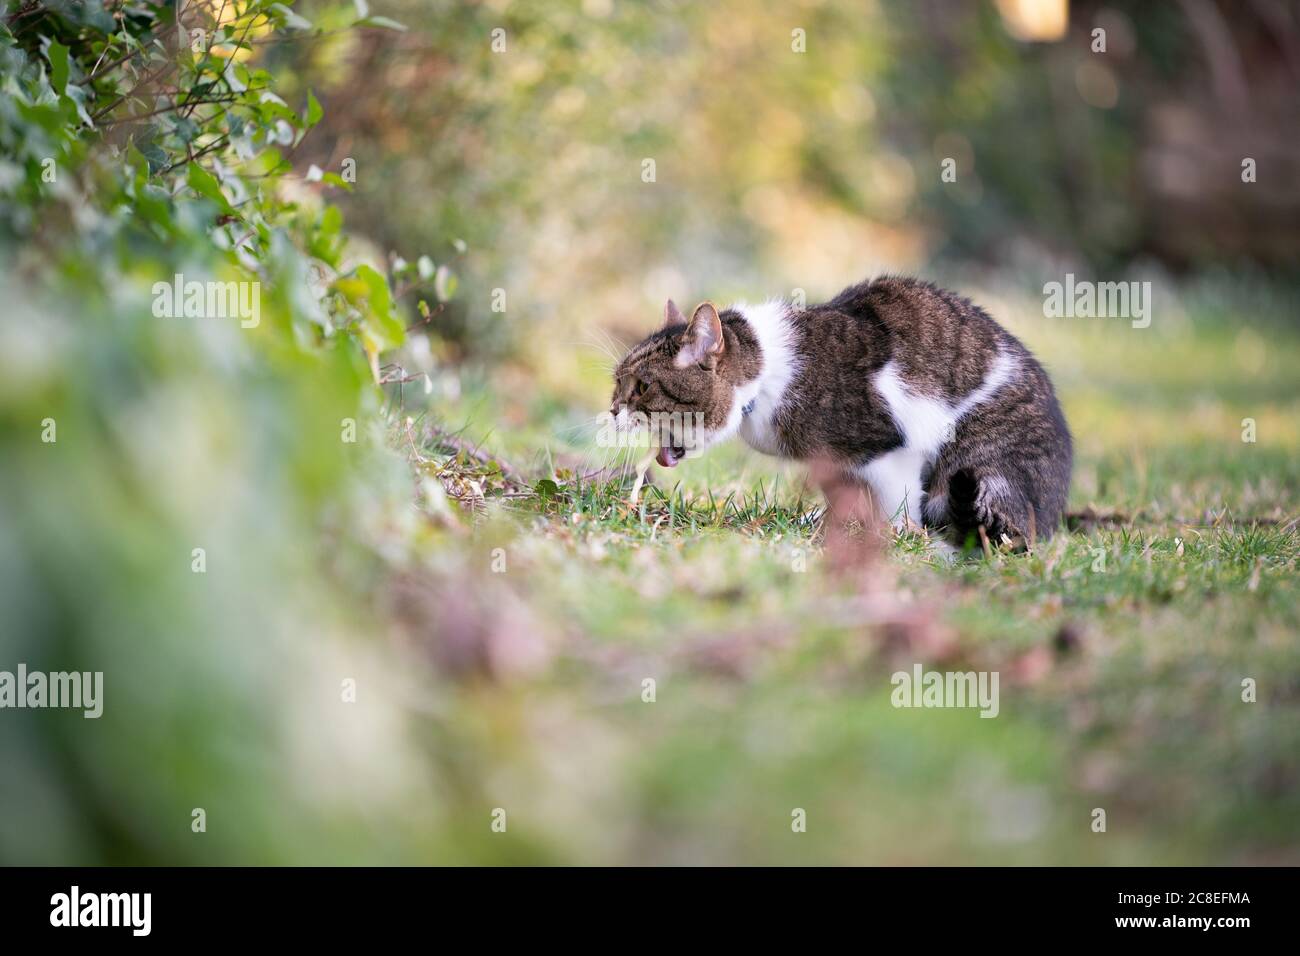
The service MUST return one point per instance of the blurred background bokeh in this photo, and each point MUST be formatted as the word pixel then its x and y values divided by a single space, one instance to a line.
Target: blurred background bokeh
pixel 801 144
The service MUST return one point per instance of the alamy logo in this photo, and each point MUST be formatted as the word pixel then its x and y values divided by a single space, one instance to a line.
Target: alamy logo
pixel 1098 300
pixel 208 300
pixel 946 689
pixel 102 909
pixel 77 690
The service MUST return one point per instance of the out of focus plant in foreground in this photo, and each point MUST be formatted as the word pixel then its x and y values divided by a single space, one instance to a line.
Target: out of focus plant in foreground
pixel 187 502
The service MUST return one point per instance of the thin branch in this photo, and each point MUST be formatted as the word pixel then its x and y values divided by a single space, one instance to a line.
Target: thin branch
pixel 433 313
pixel 225 66
pixel 211 147
pixel 171 107
pixel 167 66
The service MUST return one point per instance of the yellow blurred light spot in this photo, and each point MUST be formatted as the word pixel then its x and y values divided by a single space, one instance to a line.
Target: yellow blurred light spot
pixel 1035 21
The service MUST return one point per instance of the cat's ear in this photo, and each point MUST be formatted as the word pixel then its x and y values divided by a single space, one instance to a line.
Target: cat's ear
pixel 673 315
pixel 703 342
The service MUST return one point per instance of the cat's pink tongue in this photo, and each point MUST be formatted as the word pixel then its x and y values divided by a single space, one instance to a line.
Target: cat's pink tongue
pixel 666 457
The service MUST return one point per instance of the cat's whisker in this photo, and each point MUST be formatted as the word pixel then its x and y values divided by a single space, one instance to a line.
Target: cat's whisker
pixel 604 348
pixel 591 425
pixel 613 347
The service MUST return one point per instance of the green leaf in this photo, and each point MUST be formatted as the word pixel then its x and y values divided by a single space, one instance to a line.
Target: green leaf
pixel 386 329
pixel 331 221
pixel 79 98
pixel 268 162
pixel 137 164
pixel 381 299
pixel 185 129
pixel 236 78
pixel 314 110
pixel 381 22
pixel 326 243
pixel 546 488
pixel 205 184
pixel 154 153
pixel 58 54
pixel 288 18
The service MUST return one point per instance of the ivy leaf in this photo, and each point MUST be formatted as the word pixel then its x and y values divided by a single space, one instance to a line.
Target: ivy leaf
pixel 206 185
pixel 154 153
pixel 185 128
pixel 58 54
pixel 79 98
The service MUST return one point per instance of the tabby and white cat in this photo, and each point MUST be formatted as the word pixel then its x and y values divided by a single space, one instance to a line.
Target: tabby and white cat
pixel 913 391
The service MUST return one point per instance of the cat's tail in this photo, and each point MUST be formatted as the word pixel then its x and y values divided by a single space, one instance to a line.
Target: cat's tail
pixel 983 507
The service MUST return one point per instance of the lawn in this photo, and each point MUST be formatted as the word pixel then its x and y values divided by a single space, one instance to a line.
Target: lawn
pixel 1124 646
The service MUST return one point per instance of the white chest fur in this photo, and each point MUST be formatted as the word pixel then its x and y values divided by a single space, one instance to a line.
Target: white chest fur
pixel 776 336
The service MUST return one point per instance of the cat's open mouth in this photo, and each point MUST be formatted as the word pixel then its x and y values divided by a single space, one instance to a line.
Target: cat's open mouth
pixel 670 455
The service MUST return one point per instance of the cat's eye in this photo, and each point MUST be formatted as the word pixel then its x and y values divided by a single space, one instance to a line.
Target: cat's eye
pixel 642 387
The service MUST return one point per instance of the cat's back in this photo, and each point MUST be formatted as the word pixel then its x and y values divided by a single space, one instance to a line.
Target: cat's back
pixel 938 341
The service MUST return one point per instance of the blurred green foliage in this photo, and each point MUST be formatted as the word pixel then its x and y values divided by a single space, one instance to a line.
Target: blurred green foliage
pixel 173 486
pixel 801 145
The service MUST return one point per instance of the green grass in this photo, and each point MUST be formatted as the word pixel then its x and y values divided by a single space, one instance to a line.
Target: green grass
pixel 1121 646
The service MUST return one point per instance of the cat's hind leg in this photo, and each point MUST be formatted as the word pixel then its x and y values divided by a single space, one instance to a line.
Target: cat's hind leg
pixel 987 506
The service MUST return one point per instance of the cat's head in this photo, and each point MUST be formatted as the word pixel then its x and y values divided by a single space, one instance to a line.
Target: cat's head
pixel 683 379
